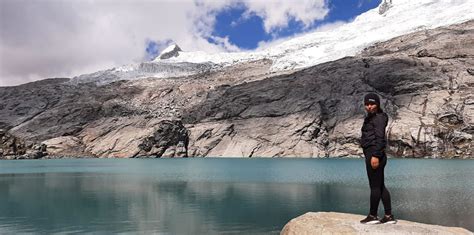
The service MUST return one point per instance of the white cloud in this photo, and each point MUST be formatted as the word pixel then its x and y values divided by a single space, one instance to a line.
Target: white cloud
pixel 54 38
pixel 42 39
pixel 276 14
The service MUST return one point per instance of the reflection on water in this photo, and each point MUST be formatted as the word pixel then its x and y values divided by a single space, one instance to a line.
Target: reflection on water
pixel 207 196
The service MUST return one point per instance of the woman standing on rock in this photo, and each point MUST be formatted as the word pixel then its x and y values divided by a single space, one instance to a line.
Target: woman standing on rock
pixel 373 143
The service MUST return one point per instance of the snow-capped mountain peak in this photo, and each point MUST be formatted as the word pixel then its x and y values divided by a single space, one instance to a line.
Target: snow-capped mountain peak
pixel 171 51
pixel 391 19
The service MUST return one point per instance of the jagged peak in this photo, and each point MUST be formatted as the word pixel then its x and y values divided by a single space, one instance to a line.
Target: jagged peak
pixel 384 6
pixel 171 51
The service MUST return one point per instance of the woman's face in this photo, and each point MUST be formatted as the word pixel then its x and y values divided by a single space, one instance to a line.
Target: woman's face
pixel 371 107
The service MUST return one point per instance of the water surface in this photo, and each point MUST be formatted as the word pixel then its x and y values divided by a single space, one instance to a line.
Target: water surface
pixel 216 195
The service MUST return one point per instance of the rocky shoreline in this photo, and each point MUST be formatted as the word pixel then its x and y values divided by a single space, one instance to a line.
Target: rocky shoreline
pixel 425 80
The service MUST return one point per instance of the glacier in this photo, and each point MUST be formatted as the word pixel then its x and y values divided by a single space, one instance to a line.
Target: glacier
pixel 391 19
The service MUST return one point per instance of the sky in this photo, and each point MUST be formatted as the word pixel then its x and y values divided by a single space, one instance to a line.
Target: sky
pixel 64 38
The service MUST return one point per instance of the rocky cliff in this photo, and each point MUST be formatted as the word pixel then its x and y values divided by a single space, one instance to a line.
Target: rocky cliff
pixel 344 223
pixel 425 80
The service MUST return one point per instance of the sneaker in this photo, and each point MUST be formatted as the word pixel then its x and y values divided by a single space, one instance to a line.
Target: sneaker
pixel 388 219
pixel 370 219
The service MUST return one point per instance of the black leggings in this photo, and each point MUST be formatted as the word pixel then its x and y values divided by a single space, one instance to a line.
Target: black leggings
pixel 376 182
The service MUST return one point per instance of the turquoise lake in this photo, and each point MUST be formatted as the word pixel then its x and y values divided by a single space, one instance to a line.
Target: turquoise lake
pixel 220 195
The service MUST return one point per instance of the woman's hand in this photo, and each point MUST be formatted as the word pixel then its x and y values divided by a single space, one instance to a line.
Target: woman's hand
pixel 374 162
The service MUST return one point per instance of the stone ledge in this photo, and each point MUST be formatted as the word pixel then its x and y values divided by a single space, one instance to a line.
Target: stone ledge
pixel 344 223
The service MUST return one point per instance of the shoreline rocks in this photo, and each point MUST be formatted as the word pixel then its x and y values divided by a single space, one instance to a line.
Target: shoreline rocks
pixel 12 147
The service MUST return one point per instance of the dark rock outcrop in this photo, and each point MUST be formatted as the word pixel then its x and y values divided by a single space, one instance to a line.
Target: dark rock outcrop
pixel 12 147
pixel 385 6
pixel 170 52
pixel 169 140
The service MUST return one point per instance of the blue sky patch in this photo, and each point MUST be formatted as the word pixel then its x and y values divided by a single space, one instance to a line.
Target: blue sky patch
pixel 153 48
pixel 246 33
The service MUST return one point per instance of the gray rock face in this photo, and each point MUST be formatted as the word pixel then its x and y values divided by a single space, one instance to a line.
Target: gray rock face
pixel 64 146
pixel 344 223
pixel 423 79
pixel 317 112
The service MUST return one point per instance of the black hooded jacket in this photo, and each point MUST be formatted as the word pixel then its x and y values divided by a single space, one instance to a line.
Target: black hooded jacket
pixel 373 133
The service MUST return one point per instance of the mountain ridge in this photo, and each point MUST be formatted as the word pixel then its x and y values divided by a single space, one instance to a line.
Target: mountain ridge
pixel 423 78
pixel 399 17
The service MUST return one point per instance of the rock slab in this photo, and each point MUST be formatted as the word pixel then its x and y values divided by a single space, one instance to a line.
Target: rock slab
pixel 344 223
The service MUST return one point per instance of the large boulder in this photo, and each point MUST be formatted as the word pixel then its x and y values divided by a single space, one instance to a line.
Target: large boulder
pixel 315 223
pixel 64 146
